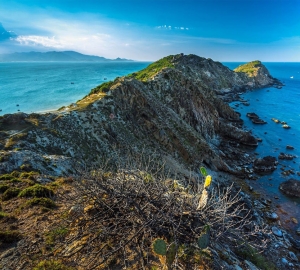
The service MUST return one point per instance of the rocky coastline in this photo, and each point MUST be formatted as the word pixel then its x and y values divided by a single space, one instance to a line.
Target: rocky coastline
pixel 178 109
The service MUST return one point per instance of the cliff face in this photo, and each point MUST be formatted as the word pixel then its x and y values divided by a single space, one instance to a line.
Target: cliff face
pixel 171 109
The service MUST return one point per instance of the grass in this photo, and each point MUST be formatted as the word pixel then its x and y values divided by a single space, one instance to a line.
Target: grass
pixel 44 202
pixel 102 88
pixel 249 68
pixel 249 253
pixel 56 234
pixel 10 193
pixel 153 69
pixel 3 188
pixel 36 191
pixel 52 265
pixel 3 214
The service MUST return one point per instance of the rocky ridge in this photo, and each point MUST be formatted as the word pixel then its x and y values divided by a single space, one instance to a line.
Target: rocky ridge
pixel 173 110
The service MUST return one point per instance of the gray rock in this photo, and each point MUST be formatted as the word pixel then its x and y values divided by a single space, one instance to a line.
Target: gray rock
pixel 284 261
pixel 272 216
pixel 250 265
pixel 293 256
pixel 291 187
pixel 277 231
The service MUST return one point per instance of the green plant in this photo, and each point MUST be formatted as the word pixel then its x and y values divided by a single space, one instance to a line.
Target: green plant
pixel 159 246
pixel 52 265
pixel 203 240
pixel 102 88
pixel 247 252
pixel 45 202
pixel 10 193
pixel 3 214
pixel 56 234
pixel 36 191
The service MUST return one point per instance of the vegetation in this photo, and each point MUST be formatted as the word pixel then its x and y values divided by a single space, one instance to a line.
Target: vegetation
pixel 102 88
pixel 250 68
pixel 56 234
pixel 45 202
pixel 10 193
pixel 153 69
pixel 52 265
pixel 36 191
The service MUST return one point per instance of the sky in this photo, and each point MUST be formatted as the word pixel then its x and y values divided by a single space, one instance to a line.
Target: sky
pixel 223 30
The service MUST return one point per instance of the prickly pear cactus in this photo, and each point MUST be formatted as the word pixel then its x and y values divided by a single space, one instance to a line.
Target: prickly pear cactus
pixel 207 181
pixel 203 171
pixel 203 240
pixel 171 254
pixel 159 246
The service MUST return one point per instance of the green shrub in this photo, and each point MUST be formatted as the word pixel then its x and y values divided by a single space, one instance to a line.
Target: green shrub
pixel 249 253
pixel 45 202
pixel 3 214
pixel 10 236
pixel 56 234
pixel 10 193
pixel 102 88
pixel 36 191
pixel 52 265
pixel 29 175
pixel 6 176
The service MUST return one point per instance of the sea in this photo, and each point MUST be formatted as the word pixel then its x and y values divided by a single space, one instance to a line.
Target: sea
pixel 44 86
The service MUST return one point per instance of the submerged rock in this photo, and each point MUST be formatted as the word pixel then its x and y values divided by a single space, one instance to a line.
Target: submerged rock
pixel 277 231
pixel 291 187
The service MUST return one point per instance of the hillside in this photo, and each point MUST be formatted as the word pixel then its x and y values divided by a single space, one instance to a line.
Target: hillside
pixel 54 56
pixel 98 181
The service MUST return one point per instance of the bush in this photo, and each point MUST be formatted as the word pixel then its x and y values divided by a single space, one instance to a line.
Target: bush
pixel 45 202
pixel 36 191
pixel 10 193
pixel 52 265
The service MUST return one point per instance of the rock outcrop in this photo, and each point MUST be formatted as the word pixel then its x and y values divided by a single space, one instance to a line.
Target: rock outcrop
pixel 291 187
pixel 171 108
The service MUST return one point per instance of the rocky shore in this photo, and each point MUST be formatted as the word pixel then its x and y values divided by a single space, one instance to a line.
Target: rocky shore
pixel 175 111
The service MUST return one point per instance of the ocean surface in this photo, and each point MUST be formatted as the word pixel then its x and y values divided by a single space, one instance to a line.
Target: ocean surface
pixel 282 104
pixel 39 87
pixel 43 86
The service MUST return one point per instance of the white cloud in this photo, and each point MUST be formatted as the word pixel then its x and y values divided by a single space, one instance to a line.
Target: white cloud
pixel 50 42
pixel 169 27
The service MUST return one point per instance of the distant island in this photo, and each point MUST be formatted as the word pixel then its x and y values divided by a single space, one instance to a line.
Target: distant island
pixel 55 56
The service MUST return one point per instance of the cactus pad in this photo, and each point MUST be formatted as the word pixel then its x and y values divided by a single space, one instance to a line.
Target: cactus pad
pixel 160 247
pixel 207 181
pixel 203 171
pixel 171 254
pixel 203 240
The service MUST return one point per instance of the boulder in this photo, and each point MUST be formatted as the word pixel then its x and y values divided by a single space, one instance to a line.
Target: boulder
pixel 265 165
pixel 285 156
pixel 291 187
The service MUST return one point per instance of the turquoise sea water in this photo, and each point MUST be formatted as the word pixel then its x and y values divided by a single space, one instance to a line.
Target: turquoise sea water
pixel 42 86
pixel 282 104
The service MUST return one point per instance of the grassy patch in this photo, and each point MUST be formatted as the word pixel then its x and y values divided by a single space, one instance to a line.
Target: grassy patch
pixel 10 193
pixel 29 175
pixel 102 88
pixel 3 214
pixel 10 236
pixel 249 68
pixel 56 234
pixel 45 202
pixel 36 191
pixel 249 253
pixel 52 265
pixel 153 69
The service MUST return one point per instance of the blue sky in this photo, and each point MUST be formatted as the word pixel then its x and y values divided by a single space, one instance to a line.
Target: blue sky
pixel 224 30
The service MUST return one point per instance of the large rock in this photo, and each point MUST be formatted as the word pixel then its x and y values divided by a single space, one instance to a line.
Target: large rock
pixel 265 165
pixel 291 187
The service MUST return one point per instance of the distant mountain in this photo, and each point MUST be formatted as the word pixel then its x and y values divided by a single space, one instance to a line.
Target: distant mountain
pixel 54 56
pixel 5 35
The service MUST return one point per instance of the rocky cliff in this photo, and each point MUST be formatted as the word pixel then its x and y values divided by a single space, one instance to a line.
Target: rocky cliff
pixel 172 108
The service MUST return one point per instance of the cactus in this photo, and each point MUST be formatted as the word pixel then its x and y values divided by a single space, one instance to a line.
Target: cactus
pixel 203 171
pixel 203 240
pixel 159 246
pixel 171 254
pixel 207 181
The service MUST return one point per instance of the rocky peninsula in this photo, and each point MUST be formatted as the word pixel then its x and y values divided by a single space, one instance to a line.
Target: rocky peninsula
pixel 172 115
